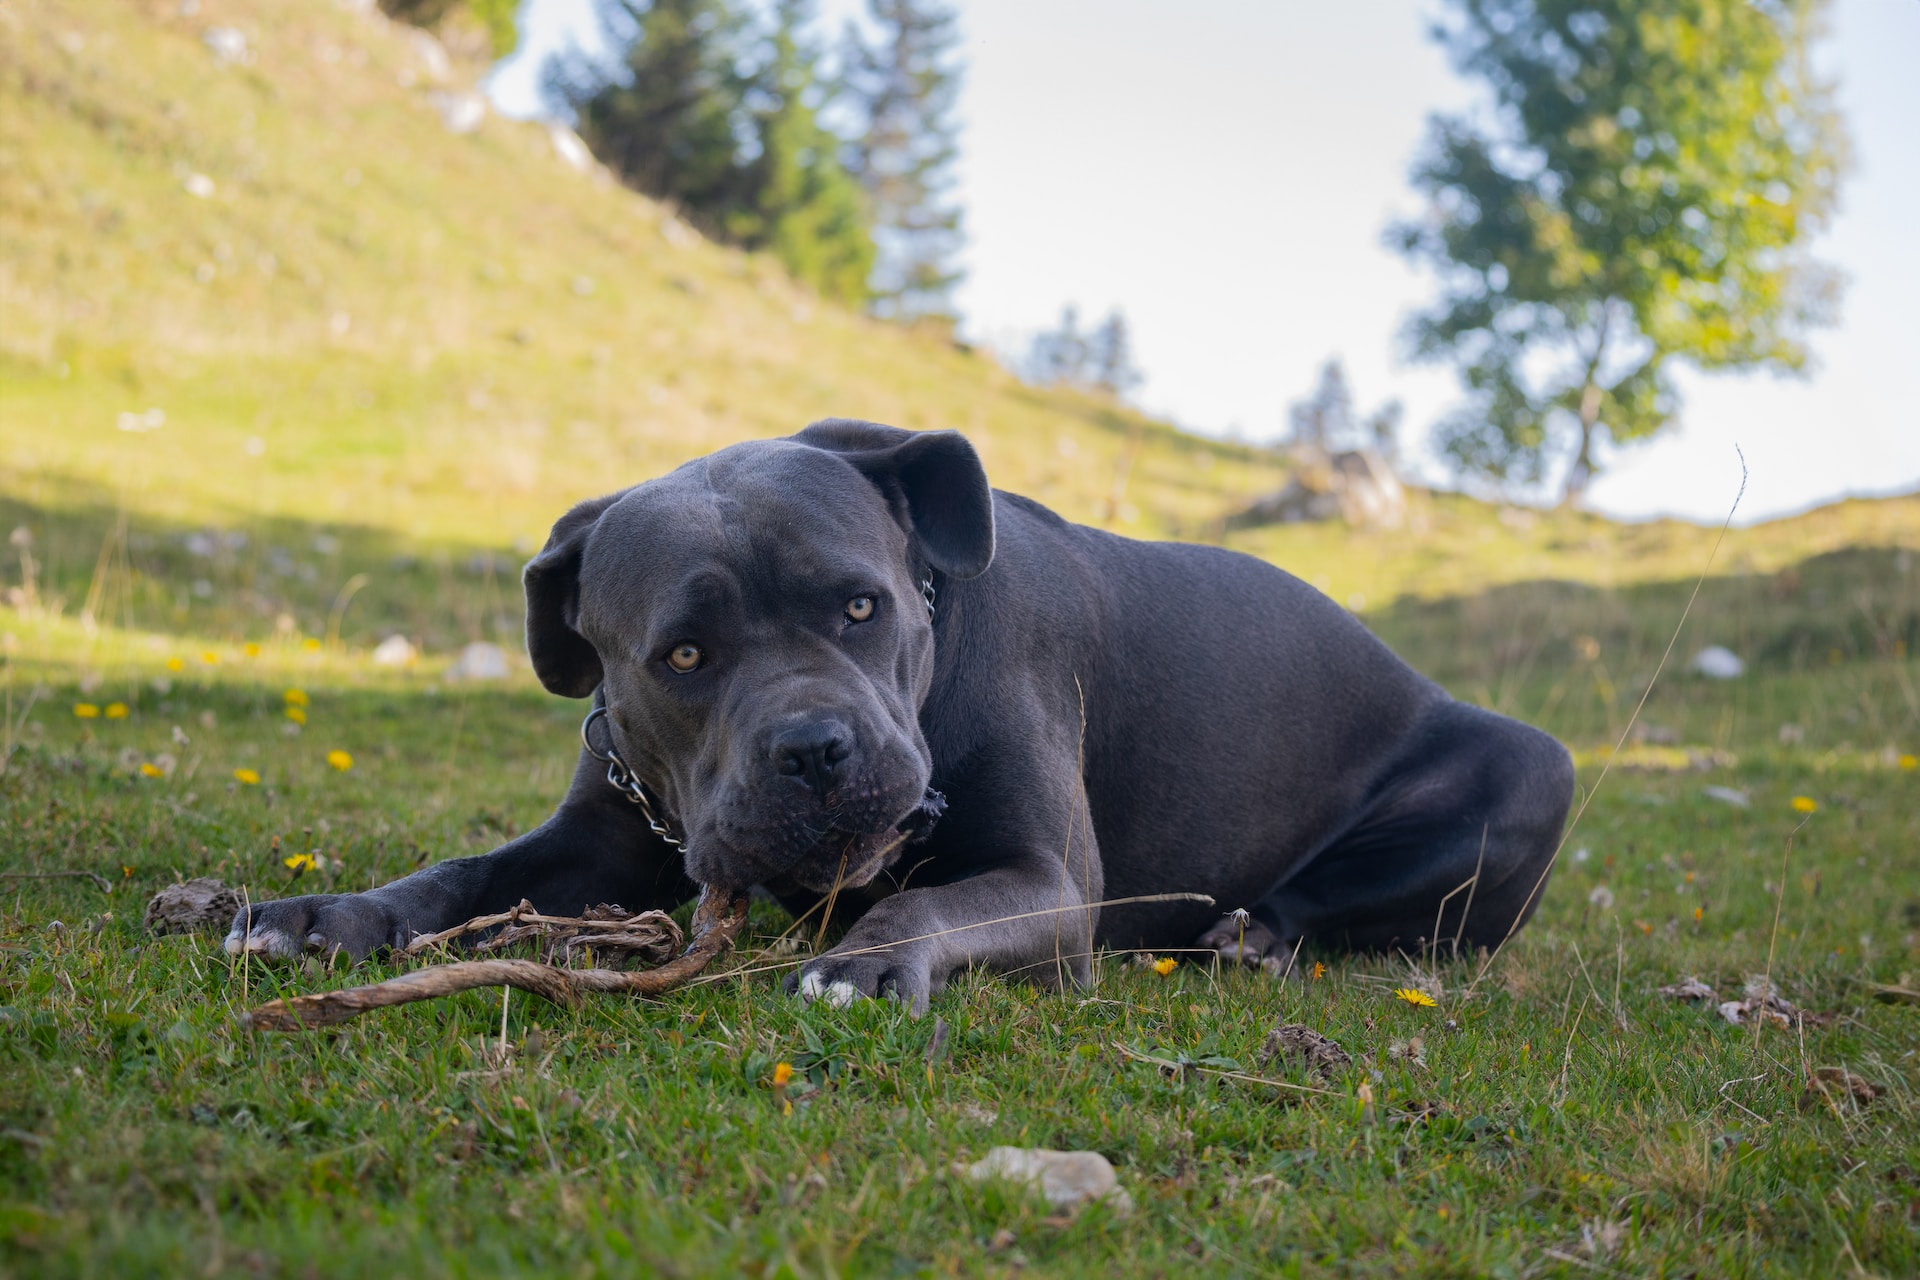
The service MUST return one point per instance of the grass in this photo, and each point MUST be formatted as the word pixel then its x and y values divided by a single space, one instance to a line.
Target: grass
pixel 518 336
pixel 1569 1105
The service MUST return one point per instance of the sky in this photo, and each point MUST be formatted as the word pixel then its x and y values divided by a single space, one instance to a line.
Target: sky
pixel 1222 170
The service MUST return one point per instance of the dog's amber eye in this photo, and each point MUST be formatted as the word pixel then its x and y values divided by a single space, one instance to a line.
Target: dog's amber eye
pixel 860 608
pixel 685 657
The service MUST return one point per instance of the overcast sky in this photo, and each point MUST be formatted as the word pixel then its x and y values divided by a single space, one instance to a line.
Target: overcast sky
pixel 1221 170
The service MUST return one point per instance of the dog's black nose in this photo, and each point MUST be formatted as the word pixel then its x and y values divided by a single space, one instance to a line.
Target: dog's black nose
pixel 813 753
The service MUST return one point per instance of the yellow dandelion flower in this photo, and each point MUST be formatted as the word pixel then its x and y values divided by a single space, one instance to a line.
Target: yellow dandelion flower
pixel 782 1074
pixel 176 664
pixel 1165 965
pixel 295 697
pixel 1805 804
pixel 210 657
pixel 340 760
pixel 310 644
pixel 252 650
pixel 1699 913
pixel 152 770
pixel 296 715
pixel 1418 999
pixel 1910 762
pixel 246 777
pixel 117 711
pixel 86 710
pixel 1319 969
pixel 298 863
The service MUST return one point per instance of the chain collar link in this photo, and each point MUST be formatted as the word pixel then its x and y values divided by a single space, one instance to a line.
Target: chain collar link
pixel 623 780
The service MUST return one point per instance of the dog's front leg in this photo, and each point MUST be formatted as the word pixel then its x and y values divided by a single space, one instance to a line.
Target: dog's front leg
pixel 595 848
pixel 1029 916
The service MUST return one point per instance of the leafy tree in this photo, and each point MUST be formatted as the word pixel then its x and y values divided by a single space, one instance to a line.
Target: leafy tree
pixel 718 113
pixel 901 86
pixel 495 17
pixel 1637 196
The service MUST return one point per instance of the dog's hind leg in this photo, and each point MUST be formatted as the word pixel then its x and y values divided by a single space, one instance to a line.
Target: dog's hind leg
pixel 1452 851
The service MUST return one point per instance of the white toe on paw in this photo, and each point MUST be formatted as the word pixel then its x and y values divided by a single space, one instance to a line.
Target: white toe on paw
pixel 232 943
pixel 841 994
pixel 268 941
pixel 811 986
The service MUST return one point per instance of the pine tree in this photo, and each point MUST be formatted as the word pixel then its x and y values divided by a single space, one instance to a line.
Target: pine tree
pixel 1110 366
pixel 667 124
pixel 718 113
pixel 798 202
pixel 902 88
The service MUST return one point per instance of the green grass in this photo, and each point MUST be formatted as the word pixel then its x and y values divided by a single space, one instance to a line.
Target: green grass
pixel 146 1133
pixel 519 337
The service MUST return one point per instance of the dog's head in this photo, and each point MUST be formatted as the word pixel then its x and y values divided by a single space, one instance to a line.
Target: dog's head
pixel 756 623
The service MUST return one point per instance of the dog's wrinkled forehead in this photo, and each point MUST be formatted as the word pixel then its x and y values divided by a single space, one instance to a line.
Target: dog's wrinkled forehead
pixel 761 518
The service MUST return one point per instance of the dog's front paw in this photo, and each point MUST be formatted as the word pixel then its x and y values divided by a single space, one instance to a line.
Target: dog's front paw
pixel 352 923
pixel 898 973
pixel 1250 943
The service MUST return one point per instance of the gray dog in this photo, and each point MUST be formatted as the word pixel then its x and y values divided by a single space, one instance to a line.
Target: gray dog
pixel 840 664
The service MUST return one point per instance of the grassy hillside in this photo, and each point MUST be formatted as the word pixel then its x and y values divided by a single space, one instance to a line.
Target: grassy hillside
pixel 384 358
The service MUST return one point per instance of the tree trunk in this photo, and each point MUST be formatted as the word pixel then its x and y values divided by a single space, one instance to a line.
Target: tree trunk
pixel 1581 474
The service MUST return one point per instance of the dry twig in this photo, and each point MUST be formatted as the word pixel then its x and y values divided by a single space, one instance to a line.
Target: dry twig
pixel 716 923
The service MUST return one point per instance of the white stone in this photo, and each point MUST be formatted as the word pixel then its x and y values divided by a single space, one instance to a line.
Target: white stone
pixel 480 661
pixel 1730 795
pixel 1065 1178
pixel 460 112
pixel 394 651
pixel 567 145
pixel 1717 662
pixel 228 46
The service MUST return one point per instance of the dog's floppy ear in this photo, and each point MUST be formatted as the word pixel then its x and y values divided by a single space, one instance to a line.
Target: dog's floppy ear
pixel 563 659
pixel 932 479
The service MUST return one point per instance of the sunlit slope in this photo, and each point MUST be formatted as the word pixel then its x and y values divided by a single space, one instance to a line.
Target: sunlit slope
pixel 347 312
pixel 352 319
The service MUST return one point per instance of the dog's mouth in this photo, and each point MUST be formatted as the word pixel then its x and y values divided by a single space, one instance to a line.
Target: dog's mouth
pixel 842 859
pixel 851 859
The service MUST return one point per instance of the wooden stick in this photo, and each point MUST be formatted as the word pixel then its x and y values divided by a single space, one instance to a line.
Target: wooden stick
pixel 716 923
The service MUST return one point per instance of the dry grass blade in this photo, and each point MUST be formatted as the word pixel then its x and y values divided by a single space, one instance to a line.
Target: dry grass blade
pixel 716 923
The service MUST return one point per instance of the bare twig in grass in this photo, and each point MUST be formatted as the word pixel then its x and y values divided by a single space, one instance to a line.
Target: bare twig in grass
pixel 1527 907
pixel 1779 900
pixel 106 885
pixel 716 923
pixel 1167 1063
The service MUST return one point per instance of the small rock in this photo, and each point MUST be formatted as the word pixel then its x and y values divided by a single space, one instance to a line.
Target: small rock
pixel 1066 1178
pixel 394 651
pixel 1297 1043
pixel 198 904
pixel 1717 662
pixel 480 661
pixel 1689 989
pixel 567 145
pixel 460 112
pixel 228 46
pixel 1730 795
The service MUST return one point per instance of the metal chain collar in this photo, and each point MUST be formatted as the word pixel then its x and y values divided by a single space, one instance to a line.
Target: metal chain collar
pixel 623 780
pixel 621 777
